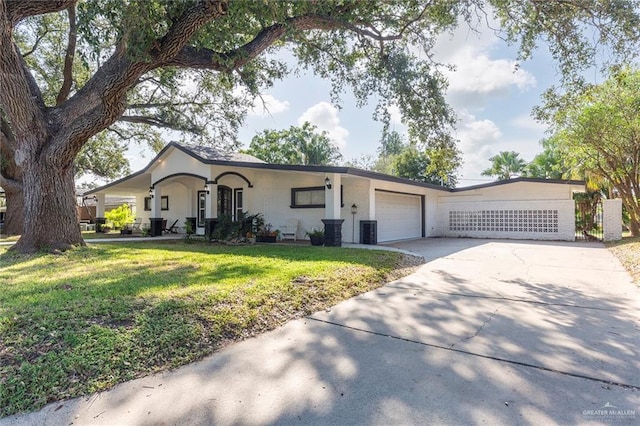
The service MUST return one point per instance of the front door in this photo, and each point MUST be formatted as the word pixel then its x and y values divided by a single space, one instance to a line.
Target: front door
pixel 225 201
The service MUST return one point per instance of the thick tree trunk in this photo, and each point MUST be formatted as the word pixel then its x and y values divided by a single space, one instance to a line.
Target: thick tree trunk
pixel 49 211
pixel 13 219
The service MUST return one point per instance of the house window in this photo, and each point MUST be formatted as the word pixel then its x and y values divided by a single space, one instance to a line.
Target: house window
pixel 238 203
pixel 202 207
pixel 310 197
pixel 164 203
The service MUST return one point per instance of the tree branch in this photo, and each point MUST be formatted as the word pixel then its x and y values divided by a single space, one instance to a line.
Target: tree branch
pixel 152 121
pixel 20 97
pixel 7 139
pixel 103 99
pixel 184 27
pixel 126 137
pixel 9 171
pixel 208 59
pixel 35 45
pixel 18 10
pixel 67 73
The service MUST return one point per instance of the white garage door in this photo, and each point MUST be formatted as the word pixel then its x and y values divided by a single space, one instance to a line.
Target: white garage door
pixel 399 216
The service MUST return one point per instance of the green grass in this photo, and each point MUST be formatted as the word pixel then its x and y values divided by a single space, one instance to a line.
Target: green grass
pixel 87 235
pixel 628 251
pixel 8 238
pixel 85 320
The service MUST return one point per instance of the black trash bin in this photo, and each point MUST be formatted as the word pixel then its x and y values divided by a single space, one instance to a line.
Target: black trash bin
pixel 369 232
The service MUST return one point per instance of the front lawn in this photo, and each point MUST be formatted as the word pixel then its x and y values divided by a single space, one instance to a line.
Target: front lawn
pixel 628 251
pixel 87 235
pixel 82 321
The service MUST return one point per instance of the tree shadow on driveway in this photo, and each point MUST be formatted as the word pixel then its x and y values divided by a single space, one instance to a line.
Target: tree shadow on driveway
pixel 542 334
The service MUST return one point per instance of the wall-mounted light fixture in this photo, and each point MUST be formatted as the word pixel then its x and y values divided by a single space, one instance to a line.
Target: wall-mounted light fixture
pixel 151 191
pixel 327 182
pixel 206 188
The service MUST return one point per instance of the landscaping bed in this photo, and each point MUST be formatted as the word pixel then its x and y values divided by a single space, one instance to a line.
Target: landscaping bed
pixel 628 251
pixel 85 320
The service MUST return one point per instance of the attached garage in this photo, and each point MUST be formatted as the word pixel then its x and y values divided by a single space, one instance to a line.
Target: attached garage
pixel 399 216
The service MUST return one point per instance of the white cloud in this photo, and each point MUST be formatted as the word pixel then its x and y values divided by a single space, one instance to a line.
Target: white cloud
pixel 325 117
pixel 477 138
pixel 478 74
pixel 268 105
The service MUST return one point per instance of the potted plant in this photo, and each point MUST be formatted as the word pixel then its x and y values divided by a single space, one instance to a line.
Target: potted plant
pixel 267 234
pixel 188 228
pixel 316 236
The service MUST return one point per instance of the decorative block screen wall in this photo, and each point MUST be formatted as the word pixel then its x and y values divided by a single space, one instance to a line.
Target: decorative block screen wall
pixel 504 220
pixel 537 220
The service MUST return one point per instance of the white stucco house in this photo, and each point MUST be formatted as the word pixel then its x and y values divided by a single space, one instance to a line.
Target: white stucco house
pixel 352 205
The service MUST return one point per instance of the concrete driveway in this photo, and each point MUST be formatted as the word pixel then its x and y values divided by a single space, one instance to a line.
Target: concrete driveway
pixel 493 332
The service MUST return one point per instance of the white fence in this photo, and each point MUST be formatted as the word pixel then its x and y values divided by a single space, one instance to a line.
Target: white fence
pixel 531 220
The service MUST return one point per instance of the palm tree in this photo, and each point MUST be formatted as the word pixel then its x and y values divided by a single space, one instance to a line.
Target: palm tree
pixel 506 165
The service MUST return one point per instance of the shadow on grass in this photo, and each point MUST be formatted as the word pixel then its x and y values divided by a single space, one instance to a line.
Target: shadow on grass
pixel 92 317
pixel 513 342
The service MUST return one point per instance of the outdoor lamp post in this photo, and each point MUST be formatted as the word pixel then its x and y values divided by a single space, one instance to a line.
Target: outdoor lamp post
pixel 354 211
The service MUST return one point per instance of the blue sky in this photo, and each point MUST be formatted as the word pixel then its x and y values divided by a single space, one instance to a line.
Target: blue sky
pixel 491 93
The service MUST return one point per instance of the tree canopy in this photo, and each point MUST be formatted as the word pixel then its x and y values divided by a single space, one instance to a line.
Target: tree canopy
pixel 599 130
pixel 194 66
pixel 506 165
pixel 296 145
pixel 551 163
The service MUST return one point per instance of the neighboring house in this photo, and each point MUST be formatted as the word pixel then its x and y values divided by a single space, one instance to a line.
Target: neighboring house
pixel 352 205
pixel 87 205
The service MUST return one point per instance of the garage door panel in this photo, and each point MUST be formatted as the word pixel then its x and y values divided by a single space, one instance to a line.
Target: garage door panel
pixel 399 216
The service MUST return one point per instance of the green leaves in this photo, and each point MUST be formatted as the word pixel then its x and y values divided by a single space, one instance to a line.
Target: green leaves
pixel 599 130
pixel 506 165
pixel 297 145
pixel 580 34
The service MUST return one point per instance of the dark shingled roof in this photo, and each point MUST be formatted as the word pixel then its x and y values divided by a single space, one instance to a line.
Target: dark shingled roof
pixel 214 154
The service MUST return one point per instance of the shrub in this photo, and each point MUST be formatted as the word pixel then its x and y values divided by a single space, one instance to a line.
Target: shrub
pixel 119 216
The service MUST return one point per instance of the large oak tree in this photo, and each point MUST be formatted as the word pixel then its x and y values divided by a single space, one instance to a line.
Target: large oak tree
pixel 137 52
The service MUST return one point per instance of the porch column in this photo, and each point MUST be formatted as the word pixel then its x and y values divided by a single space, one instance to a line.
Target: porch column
pixel 100 206
pixel 369 226
pixel 155 220
pixel 612 219
pixel 372 202
pixel 333 204
pixel 211 211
